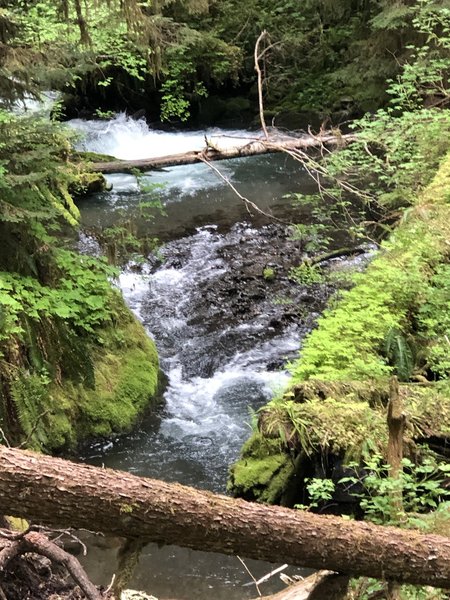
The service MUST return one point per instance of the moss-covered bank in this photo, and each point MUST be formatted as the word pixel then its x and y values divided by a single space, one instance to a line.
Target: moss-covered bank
pixel 74 363
pixel 124 382
pixel 394 321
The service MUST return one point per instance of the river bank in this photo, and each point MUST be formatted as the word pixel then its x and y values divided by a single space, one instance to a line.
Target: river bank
pixel 334 409
pixel 196 269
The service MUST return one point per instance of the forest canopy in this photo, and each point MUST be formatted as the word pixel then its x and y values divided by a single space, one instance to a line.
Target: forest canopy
pixel 168 56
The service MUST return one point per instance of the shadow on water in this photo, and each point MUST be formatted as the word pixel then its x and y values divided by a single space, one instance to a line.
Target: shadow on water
pixel 196 197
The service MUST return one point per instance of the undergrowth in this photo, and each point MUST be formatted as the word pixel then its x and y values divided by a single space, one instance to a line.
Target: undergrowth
pixel 394 319
pixel 55 304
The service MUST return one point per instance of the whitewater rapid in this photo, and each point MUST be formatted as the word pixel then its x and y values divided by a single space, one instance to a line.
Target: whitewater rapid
pixel 218 374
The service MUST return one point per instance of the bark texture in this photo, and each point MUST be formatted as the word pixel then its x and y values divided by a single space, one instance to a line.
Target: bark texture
pixel 60 493
pixel 396 421
pixel 210 154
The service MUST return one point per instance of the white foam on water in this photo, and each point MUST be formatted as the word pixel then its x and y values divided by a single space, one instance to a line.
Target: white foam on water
pixel 213 408
pixel 129 139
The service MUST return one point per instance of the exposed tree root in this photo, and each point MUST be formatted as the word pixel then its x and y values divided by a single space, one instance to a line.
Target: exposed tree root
pixel 34 567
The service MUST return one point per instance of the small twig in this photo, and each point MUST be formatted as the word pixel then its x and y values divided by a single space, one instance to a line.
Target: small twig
pixel 267 48
pixel 267 576
pixel 240 32
pixel 257 57
pixel 5 439
pixel 69 534
pixel 318 138
pixel 251 575
pixel 111 585
pixel 247 202
pixel 33 430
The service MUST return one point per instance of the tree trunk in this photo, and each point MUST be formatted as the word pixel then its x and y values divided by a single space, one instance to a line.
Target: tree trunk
pixel 62 494
pixel 396 425
pixel 396 419
pixel 85 38
pixel 211 153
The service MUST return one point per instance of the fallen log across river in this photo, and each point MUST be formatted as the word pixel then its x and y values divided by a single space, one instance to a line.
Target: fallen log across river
pixel 59 493
pixel 211 153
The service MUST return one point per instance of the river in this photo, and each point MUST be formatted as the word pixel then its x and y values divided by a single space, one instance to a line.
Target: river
pixel 223 355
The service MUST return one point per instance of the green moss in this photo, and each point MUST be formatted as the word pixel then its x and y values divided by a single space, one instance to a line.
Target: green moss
pixel 347 427
pixel 251 473
pixel 126 381
pixel 263 472
pixel 340 427
pixel 351 341
pixel 269 273
pixel 321 426
pixel 260 447
pixel 438 192
pixel 88 183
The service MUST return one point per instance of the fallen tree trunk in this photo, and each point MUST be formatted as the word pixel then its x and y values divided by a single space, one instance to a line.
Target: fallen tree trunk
pixel 60 493
pixel 209 154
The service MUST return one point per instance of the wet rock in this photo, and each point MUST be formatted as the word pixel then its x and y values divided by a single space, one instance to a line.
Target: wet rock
pixel 231 300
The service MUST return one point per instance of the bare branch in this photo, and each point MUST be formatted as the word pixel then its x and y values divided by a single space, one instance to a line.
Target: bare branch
pixel 5 439
pixel 251 575
pixel 263 35
pixel 247 202
pixel 33 430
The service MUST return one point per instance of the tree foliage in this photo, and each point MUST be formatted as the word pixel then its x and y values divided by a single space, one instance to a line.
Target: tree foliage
pixel 53 301
pixel 327 56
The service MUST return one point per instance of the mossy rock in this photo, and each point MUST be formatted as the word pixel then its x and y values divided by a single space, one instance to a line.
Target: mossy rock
pixel 126 383
pixel 89 183
pixel 263 480
pixel 343 426
pixel 319 428
pixel 263 473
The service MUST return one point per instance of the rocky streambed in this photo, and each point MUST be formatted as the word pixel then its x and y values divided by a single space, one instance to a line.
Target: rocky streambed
pixel 226 317
pixel 251 296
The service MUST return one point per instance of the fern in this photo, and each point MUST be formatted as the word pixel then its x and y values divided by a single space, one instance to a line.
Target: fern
pixel 400 353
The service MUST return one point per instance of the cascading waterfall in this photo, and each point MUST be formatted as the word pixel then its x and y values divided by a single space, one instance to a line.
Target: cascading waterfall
pixel 129 139
pixel 215 373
